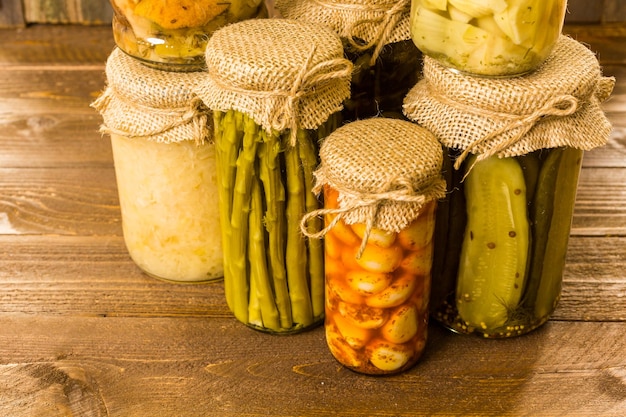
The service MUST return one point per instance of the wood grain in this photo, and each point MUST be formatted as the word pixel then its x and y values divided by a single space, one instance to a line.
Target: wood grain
pixel 84 333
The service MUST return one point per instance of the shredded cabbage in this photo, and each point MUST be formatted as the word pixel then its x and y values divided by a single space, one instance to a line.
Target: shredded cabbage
pixel 169 206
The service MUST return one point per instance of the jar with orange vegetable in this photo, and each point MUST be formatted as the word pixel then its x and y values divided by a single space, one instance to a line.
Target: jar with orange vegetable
pixel 381 180
pixel 172 34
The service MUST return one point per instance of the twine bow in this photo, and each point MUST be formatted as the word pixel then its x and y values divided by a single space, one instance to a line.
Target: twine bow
pixel 195 114
pixel 309 79
pixel 560 106
pixel 390 14
pixel 396 190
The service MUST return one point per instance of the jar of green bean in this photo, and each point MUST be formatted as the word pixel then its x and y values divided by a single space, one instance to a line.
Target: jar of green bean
pixel 276 88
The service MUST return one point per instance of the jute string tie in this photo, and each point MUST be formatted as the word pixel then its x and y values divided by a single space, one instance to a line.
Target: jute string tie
pixel 194 113
pixel 307 81
pixel 397 190
pixel 386 23
pixel 560 106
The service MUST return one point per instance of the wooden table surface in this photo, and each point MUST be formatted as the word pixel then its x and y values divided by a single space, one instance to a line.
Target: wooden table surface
pixel 84 333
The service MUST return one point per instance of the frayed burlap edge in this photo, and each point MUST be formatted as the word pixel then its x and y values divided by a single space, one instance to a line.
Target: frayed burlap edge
pixel 554 117
pixel 385 171
pixel 376 22
pixel 282 73
pixel 144 103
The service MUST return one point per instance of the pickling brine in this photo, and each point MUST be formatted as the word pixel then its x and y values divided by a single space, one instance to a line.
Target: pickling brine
pixel 377 303
pixel 501 241
pixel 487 37
pixel 172 34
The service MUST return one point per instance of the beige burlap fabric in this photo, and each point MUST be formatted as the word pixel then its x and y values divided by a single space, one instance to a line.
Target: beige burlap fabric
pixel 377 22
pixel 557 105
pixel 141 102
pixel 283 73
pixel 385 170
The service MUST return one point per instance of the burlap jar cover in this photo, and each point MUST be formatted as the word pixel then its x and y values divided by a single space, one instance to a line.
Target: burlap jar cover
pixel 282 73
pixel 558 105
pixel 384 170
pixel 144 103
pixel 376 22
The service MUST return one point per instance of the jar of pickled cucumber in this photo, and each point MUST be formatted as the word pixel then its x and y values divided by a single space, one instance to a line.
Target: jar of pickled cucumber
pixel 172 34
pixel 381 179
pixel 514 149
pixel 276 87
pixel 377 39
pixel 487 37
pixel 164 159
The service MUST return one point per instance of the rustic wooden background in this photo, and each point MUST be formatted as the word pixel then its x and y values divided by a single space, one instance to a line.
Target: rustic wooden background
pixel 22 12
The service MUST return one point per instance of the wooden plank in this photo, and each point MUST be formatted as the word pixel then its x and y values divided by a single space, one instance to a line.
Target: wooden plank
pixel 614 11
pixel 11 14
pixel 68 11
pixel 579 11
pixel 94 276
pixel 148 367
pixel 56 45
pixel 59 201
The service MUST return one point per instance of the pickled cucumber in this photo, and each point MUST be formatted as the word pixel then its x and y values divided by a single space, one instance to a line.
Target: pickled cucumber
pixel 495 249
pixel 552 209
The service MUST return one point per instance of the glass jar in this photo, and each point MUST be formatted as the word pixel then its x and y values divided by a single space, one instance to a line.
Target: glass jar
pixel 381 181
pixel 164 161
pixel 487 37
pixel 275 97
pixel 377 40
pixel 502 238
pixel 514 153
pixel 172 34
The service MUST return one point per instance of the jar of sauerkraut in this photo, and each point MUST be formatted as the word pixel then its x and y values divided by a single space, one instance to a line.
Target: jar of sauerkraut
pixel 381 179
pixel 377 39
pixel 514 149
pixel 276 87
pixel 487 37
pixel 172 34
pixel 164 160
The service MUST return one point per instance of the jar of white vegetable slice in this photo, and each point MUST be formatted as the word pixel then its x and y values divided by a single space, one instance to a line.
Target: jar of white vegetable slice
pixel 487 37
pixel 164 160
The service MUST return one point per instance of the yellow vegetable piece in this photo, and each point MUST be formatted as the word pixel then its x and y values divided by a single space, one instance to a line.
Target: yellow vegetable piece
pixel 176 14
pixel 363 316
pixel 419 233
pixel 397 293
pixel 378 259
pixel 402 325
pixel 343 232
pixel 355 336
pixel 338 288
pixel 340 348
pixel 419 262
pixel 367 282
pixel 378 237
pixel 389 356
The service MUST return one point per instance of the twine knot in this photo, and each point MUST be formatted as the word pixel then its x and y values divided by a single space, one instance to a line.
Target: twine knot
pixel 396 190
pixel 559 106
pixel 194 113
pixel 389 14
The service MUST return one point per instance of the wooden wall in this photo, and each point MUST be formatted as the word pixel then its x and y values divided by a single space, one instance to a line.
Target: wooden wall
pixel 21 12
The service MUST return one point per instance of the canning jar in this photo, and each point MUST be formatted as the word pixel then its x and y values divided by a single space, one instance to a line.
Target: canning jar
pixel 487 37
pixel 376 38
pixel 172 34
pixel 276 87
pixel 381 179
pixel 164 160
pixel 514 150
